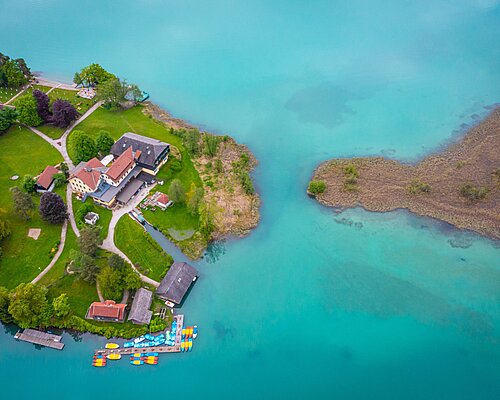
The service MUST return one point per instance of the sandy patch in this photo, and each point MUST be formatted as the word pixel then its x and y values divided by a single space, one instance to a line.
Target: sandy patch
pixel 34 233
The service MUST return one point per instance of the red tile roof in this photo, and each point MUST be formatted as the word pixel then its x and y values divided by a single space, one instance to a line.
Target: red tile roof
pixel 122 164
pixel 163 199
pixel 108 309
pixel 47 176
pixel 89 174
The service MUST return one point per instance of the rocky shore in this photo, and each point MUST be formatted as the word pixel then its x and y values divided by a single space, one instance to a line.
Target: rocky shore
pixel 237 211
pixel 460 185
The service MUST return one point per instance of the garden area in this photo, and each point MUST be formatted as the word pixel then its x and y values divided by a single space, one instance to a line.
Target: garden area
pixel 81 209
pixel 23 258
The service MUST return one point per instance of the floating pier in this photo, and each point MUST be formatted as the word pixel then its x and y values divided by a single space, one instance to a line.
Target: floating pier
pixel 40 338
pixel 176 348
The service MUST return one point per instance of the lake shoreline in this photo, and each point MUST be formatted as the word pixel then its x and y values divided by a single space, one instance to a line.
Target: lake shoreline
pixel 433 187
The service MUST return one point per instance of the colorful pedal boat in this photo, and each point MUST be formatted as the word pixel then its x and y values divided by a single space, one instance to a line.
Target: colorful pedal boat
pixel 195 331
pixel 114 356
pixel 112 346
pixel 137 362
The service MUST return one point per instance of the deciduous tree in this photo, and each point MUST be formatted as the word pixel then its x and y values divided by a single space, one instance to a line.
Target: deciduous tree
pixel 114 92
pixel 89 240
pixel 26 107
pixel 63 113
pixel 110 283
pixel 4 306
pixel 7 117
pixel 84 265
pixel 94 74
pixel 194 201
pixel 103 142
pixel 14 74
pixel 61 306
pixel 29 184
pixel 28 303
pixel 42 105
pixel 176 191
pixel 52 208
pixel 82 146
pixel 23 203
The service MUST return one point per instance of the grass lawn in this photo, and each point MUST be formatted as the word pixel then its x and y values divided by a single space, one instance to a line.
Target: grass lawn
pixel 131 238
pixel 104 215
pixel 82 105
pixel 23 152
pixel 41 88
pixel 80 293
pixel 134 120
pixel 7 93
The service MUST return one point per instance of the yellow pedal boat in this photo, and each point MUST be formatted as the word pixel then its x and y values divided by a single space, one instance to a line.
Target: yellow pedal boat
pixel 114 356
pixel 112 346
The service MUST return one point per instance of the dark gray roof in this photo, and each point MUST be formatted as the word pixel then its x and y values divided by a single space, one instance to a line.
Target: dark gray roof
pixel 150 148
pixel 176 283
pixel 105 192
pixel 140 312
pixel 133 186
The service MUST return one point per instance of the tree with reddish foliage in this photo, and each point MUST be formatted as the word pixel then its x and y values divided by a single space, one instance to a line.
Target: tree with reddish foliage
pixel 52 208
pixel 42 105
pixel 63 113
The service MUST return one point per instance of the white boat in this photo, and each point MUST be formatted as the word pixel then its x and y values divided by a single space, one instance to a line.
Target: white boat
pixel 195 331
pixel 139 339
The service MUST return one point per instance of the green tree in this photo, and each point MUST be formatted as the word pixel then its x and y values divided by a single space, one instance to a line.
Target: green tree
pixel 103 142
pixel 7 117
pixel 29 184
pixel 61 306
pixel 77 79
pixel 316 187
pixel 14 74
pixel 28 303
pixel 132 280
pixel 194 201
pixel 210 144
pixel 89 240
pixel 63 167
pixel 82 211
pixel 176 192
pixel 59 179
pixel 114 92
pixel 191 141
pixel 110 282
pixel 23 203
pixel 26 107
pixel 4 225
pixel 4 306
pixel 82 146
pixel 117 263
pixel 207 219
pixel 94 74
pixel 84 265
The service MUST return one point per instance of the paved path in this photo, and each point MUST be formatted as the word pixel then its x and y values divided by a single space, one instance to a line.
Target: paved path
pixel 71 215
pixel 53 87
pixel 17 95
pixel 48 82
pixel 109 242
pixel 56 256
pixel 101 298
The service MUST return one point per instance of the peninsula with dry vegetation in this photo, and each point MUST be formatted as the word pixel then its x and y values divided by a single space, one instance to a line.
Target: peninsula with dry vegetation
pixel 460 185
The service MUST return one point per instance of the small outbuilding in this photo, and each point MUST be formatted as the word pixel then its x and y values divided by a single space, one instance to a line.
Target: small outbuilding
pixel 163 201
pixel 140 313
pixel 175 284
pixel 91 218
pixel 45 182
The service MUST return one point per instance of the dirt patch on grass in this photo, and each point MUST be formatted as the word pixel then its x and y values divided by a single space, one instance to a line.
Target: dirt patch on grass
pixel 34 233
pixel 385 185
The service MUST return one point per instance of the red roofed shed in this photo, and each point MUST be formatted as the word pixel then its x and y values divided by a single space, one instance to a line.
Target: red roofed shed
pixel 107 311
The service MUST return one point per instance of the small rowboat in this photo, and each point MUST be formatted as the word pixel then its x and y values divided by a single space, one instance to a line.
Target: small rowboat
pixel 114 356
pixel 195 331
pixel 137 362
pixel 183 346
pixel 112 346
pixel 190 344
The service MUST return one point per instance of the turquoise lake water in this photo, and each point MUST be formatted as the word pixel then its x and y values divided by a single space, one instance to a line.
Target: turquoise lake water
pixel 312 304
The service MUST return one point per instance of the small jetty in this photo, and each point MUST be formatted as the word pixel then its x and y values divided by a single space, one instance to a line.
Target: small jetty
pixel 176 348
pixel 40 338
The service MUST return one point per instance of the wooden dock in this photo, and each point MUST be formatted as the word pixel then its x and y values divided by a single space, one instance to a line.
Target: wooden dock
pixel 156 349
pixel 40 338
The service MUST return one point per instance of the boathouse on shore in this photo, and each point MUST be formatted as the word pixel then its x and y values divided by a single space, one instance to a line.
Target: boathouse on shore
pixel 174 286
pixel 140 313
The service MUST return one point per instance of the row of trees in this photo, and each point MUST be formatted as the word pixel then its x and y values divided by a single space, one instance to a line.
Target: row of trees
pixel 84 147
pixel 28 306
pixel 13 73
pixel 52 207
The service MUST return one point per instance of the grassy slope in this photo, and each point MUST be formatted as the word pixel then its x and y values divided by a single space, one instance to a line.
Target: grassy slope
pixel 8 93
pixel 133 120
pixel 22 152
pixel 132 240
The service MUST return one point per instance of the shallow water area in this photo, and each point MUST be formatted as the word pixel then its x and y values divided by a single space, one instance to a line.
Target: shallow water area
pixel 312 303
